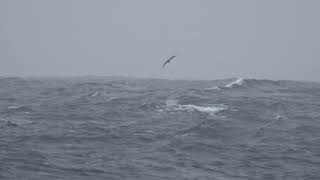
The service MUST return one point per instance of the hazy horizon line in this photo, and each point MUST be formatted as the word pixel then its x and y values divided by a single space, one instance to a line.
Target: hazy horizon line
pixel 146 78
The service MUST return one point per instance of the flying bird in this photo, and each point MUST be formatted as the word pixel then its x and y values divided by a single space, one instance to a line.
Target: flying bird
pixel 168 61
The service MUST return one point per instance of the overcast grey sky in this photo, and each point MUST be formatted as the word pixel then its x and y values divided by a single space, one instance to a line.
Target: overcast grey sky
pixel 212 39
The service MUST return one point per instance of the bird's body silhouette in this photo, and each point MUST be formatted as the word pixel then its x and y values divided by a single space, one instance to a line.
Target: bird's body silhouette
pixel 168 61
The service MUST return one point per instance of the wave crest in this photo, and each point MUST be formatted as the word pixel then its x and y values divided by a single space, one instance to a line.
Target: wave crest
pixel 172 105
pixel 237 83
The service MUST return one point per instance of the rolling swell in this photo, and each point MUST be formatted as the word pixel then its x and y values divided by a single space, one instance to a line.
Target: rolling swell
pixel 121 128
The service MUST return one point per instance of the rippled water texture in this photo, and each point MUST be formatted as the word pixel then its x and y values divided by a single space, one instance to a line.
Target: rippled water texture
pixel 119 128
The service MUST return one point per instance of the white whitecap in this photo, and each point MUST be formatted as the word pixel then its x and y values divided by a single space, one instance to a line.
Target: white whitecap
pixel 94 94
pixel 213 88
pixel 17 122
pixel 278 117
pixel 172 105
pixel 171 102
pixel 112 98
pixel 13 107
pixel 238 82
pixel 151 132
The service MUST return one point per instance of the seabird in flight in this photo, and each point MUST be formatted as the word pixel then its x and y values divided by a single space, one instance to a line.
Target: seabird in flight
pixel 168 61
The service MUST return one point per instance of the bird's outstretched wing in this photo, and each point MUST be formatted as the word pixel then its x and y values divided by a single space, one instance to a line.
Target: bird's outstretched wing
pixel 168 61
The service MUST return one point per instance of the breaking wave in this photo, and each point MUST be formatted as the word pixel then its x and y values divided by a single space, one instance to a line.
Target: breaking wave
pixel 172 105
pixel 237 83
pixel 262 84
pixel 213 88
pixel 19 109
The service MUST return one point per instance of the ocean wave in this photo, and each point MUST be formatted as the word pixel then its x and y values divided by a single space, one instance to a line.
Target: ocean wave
pixel 172 105
pixel 274 121
pixel 240 82
pixel 217 88
pixel 14 107
pixel 19 108
pixel 95 94
pixel 260 84
pixel 237 83
pixel 15 122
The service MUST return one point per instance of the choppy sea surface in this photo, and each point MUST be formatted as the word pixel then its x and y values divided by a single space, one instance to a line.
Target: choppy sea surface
pixel 95 128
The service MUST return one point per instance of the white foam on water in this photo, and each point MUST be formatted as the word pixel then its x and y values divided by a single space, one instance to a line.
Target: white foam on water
pixel 238 82
pixel 14 107
pixel 278 117
pixel 213 88
pixel 17 122
pixel 112 98
pixel 94 94
pixel 151 132
pixel 172 105
pixel 22 109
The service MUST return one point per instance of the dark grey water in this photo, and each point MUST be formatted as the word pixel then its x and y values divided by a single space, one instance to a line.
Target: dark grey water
pixel 117 128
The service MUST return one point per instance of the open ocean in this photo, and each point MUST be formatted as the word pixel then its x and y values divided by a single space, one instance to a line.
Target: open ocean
pixel 111 128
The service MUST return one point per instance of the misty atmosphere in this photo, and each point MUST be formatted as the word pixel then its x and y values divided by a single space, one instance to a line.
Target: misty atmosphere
pixel 212 39
pixel 152 90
